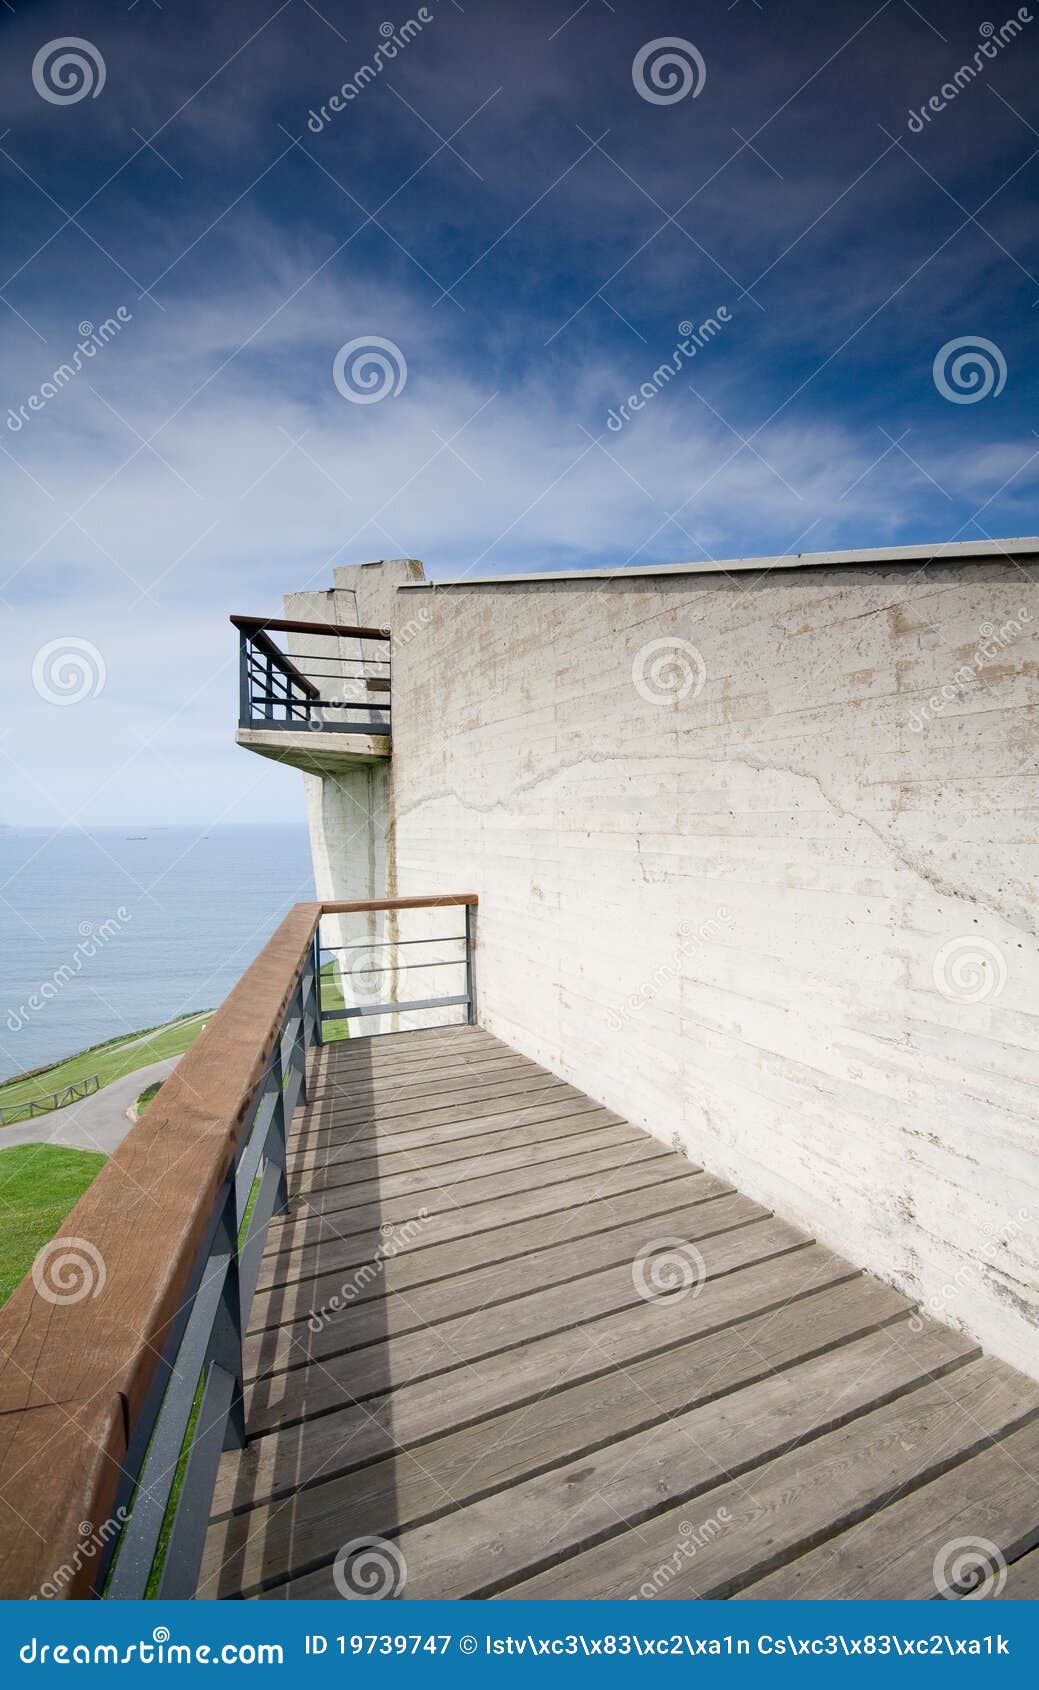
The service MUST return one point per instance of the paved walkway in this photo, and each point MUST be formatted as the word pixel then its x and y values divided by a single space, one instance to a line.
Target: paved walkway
pixel 97 1122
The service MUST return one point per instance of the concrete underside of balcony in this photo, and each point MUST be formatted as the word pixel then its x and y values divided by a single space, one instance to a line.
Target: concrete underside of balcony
pixel 314 752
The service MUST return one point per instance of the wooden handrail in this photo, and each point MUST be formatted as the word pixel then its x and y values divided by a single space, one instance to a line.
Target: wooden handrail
pixel 75 1374
pixel 252 624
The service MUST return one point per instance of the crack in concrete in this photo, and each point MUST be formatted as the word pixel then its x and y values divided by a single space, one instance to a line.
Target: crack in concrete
pixel 923 871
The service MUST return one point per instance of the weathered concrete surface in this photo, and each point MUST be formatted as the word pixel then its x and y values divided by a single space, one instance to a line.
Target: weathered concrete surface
pixel 313 751
pixel 774 898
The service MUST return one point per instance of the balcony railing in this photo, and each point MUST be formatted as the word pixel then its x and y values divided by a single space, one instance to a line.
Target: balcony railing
pixel 336 678
pixel 122 1350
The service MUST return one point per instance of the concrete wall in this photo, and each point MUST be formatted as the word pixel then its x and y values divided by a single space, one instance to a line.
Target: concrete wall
pixel 349 814
pixel 744 883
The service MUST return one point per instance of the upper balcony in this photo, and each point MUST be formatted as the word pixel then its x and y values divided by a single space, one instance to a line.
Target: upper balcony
pixel 321 704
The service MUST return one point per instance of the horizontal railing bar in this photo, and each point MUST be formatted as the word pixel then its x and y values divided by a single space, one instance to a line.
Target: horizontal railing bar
pixel 407 967
pixel 430 901
pixel 375 729
pixel 323 703
pixel 393 1008
pixel 250 624
pixel 381 944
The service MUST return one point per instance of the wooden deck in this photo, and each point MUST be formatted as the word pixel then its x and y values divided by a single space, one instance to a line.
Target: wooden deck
pixel 458 1343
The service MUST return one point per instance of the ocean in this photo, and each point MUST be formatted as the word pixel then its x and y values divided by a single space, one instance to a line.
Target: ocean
pixel 106 931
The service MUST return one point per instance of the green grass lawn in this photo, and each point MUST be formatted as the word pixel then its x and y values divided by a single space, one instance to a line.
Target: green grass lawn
pixel 146 1096
pixel 109 1061
pixel 39 1184
pixel 332 998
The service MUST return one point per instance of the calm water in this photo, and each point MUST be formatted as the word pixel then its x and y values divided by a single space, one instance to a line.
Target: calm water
pixel 172 919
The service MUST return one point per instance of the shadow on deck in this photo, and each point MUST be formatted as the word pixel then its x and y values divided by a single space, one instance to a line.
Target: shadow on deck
pixel 533 1352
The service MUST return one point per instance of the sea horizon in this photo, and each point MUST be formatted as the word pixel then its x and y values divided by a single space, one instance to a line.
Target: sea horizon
pixel 107 930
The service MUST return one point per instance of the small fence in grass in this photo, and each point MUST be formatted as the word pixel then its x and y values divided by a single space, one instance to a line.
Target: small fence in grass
pixel 12 1112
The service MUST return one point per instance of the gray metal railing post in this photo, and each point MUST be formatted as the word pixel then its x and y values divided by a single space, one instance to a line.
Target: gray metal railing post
pixel 318 1035
pixel 244 706
pixel 226 1342
pixel 470 980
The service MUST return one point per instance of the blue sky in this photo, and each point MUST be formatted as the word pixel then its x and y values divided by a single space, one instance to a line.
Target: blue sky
pixel 503 204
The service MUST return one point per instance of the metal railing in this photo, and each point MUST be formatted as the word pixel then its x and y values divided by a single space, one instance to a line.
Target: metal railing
pixel 202 1364
pixel 117 1401
pixel 379 980
pixel 49 1101
pixel 336 679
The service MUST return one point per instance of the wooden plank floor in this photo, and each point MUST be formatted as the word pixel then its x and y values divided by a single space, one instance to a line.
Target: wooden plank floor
pixel 547 1356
